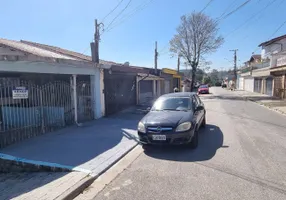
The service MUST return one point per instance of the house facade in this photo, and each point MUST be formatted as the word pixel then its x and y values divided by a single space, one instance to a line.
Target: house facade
pixel 274 50
pixel 173 79
pixel 42 90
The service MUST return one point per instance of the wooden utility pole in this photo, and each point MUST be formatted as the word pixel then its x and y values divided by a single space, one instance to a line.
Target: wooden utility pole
pixel 156 58
pixel 178 63
pixel 235 64
pixel 95 45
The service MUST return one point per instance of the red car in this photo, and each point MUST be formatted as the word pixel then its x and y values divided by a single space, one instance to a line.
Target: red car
pixel 203 89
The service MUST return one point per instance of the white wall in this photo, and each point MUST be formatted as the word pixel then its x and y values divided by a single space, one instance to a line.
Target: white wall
pixel 249 84
pixel 97 93
pixel 274 48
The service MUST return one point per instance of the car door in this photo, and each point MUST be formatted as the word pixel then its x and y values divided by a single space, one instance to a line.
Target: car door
pixel 201 112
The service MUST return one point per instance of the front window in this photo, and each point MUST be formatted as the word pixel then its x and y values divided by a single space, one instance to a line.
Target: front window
pixel 203 86
pixel 172 103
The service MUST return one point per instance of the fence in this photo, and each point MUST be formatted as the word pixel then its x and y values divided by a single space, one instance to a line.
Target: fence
pixel 28 110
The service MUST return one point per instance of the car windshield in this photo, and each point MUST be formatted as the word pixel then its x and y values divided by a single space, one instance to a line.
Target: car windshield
pixel 172 103
pixel 203 86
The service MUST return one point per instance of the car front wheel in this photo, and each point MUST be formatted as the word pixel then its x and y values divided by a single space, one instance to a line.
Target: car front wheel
pixel 195 141
pixel 204 122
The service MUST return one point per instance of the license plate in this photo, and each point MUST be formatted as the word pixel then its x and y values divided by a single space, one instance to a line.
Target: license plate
pixel 159 137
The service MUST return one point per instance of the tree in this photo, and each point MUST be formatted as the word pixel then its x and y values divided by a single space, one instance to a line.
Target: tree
pixel 214 77
pixel 196 37
pixel 206 80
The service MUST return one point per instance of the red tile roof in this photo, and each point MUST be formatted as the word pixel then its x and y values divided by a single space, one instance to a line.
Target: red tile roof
pixel 256 57
pixel 272 40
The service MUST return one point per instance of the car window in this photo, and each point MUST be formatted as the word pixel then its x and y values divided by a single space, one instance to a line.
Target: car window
pixel 203 86
pixel 195 102
pixel 198 99
pixel 173 103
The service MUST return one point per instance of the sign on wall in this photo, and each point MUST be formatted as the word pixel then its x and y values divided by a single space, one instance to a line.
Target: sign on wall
pixel 281 61
pixel 20 93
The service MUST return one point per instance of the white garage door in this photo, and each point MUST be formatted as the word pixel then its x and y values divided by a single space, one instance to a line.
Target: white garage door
pixel 167 86
pixel 249 84
pixel 241 83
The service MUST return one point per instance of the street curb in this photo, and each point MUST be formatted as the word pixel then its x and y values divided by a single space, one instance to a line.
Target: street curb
pixel 10 163
pixel 79 187
pixel 269 108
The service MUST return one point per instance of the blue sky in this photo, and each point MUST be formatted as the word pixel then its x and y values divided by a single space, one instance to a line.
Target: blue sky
pixel 70 24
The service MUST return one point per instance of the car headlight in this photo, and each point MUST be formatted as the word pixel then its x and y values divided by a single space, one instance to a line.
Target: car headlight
pixel 141 127
pixel 184 126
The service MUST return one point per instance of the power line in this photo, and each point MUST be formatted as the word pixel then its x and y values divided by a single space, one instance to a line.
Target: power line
pixel 135 11
pixel 252 17
pixel 119 14
pixel 206 6
pixel 278 29
pixel 229 6
pixel 235 10
pixel 280 26
pixel 112 10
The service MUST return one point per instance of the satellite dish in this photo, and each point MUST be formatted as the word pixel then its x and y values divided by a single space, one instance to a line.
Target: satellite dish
pixel 126 64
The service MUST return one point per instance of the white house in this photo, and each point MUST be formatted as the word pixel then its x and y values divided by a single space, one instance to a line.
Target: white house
pixel 44 87
pixel 275 51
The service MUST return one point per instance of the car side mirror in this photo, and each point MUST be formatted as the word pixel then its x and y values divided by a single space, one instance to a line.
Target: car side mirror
pixel 148 109
pixel 199 108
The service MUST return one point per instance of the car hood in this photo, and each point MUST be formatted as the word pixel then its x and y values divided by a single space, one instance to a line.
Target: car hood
pixel 166 118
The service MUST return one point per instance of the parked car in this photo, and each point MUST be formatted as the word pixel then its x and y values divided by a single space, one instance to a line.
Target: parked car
pixel 174 119
pixel 203 89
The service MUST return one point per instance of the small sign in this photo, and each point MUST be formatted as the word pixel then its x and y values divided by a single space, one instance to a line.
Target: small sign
pixel 281 61
pixel 20 93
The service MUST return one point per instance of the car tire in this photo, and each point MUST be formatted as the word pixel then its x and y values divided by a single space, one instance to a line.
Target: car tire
pixel 204 122
pixel 195 140
pixel 145 147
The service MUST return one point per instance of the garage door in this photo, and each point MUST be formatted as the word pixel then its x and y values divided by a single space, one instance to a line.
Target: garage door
pixel 146 91
pixel 269 84
pixel 167 86
pixel 249 84
pixel 257 85
pixel 241 83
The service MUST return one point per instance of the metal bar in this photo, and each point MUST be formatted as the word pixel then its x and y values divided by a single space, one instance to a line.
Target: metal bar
pixel 75 98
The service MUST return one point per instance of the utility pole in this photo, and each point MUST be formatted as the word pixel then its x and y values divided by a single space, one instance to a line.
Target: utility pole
pixel 95 45
pixel 156 58
pixel 178 63
pixel 235 64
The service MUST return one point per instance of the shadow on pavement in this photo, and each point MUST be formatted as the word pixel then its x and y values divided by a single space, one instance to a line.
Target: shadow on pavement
pixel 210 140
pixel 74 146
pixel 13 185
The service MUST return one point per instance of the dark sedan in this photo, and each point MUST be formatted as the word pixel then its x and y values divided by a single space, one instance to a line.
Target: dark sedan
pixel 174 119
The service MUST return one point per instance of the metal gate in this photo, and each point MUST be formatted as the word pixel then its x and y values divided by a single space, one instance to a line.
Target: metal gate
pixel 28 110
pixel 119 92
pixel 146 91
pixel 257 85
pixel 85 106
pixel 278 90
pixel 269 86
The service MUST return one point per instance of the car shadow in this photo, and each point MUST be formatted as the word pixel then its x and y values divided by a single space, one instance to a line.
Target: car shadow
pixel 210 140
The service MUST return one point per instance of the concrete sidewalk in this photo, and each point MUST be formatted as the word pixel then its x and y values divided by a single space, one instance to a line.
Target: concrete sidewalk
pixel 270 102
pixel 94 147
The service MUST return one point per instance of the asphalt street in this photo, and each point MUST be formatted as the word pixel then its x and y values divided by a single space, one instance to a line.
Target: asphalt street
pixel 241 155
